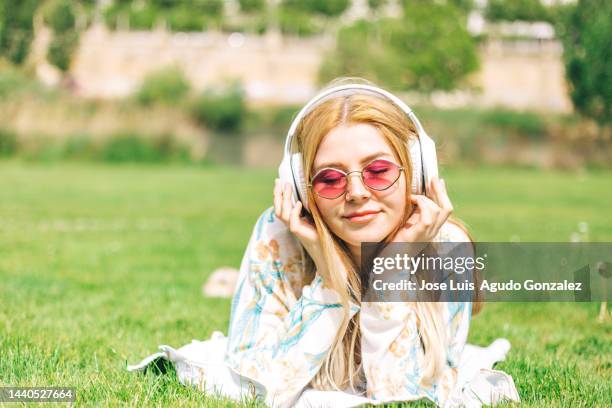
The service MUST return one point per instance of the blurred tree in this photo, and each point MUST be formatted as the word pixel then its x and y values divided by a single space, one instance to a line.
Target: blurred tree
pixel 329 8
pixel 294 21
pixel 16 28
pixel 184 19
pixel 222 108
pixel 252 5
pixel 463 5
pixel 61 49
pixel 60 16
pixel 210 8
pixel 181 15
pixel 166 3
pixel 143 18
pixel 375 5
pixel 168 85
pixel 586 33
pixel 427 49
pixel 511 10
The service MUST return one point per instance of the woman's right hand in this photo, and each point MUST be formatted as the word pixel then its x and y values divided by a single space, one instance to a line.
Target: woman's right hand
pixel 302 227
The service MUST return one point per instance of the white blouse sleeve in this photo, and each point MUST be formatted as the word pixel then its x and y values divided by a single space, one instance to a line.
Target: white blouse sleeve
pixel 392 352
pixel 274 338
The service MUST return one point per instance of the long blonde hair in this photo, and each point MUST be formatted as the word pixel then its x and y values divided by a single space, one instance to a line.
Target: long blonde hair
pixel 342 366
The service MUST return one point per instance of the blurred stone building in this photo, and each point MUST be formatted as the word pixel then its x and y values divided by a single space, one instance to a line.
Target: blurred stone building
pixel 524 73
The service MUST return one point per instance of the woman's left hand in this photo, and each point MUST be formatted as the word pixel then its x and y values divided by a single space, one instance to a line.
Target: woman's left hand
pixel 429 214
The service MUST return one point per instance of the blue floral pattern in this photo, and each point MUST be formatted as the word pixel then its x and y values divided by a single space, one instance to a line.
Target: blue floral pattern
pixel 283 323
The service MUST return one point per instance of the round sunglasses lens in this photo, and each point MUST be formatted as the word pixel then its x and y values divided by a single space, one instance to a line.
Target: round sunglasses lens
pixel 329 183
pixel 380 174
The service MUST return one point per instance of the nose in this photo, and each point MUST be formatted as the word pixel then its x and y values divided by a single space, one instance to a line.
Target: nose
pixel 355 189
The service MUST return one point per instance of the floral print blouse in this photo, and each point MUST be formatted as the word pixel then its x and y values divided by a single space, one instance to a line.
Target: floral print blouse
pixel 281 329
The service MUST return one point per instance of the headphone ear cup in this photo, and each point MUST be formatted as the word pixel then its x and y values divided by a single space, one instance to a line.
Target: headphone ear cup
pixel 430 158
pixel 417 166
pixel 300 187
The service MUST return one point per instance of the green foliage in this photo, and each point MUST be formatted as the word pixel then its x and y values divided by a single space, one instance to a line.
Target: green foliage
pixel 163 3
pixel 249 6
pixel 60 16
pixel 255 23
pixel 329 8
pixel 111 15
pixel 142 18
pixel 8 142
pixel 462 5
pixel 118 148
pixel 14 81
pixel 297 22
pixel 587 37
pixel 222 109
pixel 184 19
pixel 168 85
pixel 211 8
pixel 526 123
pixel 511 10
pixel 273 120
pixel 427 49
pixel 183 15
pixel 61 49
pixel 16 29
pixel 376 4
pixel 133 148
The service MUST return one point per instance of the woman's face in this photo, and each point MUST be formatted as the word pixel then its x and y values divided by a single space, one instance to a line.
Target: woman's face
pixel 349 148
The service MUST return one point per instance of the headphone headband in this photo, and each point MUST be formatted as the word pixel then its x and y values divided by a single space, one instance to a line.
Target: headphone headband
pixel 348 89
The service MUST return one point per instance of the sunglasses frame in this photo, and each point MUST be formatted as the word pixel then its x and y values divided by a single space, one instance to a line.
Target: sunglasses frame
pixel 346 174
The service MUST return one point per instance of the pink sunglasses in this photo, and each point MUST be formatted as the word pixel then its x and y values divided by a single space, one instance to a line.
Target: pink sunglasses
pixel 331 183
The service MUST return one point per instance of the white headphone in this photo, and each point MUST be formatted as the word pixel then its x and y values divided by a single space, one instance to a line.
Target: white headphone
pixel 422 151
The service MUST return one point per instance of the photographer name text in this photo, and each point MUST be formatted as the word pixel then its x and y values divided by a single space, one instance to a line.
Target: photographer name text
pixel 485 285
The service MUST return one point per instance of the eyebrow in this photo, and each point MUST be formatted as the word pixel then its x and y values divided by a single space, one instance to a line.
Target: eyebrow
pixel 362 162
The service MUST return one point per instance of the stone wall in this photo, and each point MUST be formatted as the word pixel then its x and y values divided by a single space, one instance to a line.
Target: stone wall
pixel 276 69
pixel 273 69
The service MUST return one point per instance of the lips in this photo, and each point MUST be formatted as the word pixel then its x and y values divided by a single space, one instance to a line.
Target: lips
pixel 362 216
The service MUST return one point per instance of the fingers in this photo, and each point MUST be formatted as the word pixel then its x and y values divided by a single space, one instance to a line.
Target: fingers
pixel 446 202
pixel 294 218
pixel 430 216
pixel 427 215
pixel 287 205
pixel 282 200
pixel 284 208
pixel 440 197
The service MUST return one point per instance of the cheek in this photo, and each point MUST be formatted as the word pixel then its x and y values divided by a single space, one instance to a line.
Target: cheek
pixel 397 202
pixel 326 209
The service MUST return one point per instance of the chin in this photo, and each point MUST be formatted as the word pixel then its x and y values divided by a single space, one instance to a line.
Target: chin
pixel 369 233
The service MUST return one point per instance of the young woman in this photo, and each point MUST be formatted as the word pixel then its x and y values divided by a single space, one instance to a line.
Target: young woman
pixel 297 319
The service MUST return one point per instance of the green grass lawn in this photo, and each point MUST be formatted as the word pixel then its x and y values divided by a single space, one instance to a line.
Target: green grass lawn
pixel 100 264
